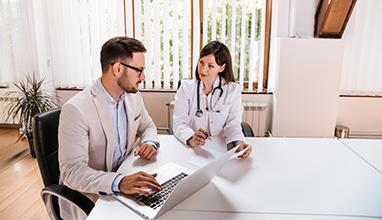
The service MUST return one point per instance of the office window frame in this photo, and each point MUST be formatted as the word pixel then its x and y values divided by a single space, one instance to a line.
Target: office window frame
pixel 266 39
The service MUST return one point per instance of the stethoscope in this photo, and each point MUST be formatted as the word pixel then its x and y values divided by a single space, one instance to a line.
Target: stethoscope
pixel 199 112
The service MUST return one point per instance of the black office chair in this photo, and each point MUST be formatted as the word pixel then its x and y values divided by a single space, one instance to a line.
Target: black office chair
pixel 45 138
pixel 247 129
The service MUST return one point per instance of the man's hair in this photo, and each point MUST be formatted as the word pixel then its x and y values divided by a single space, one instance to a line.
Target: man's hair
pixel 119 48
pixel 222 56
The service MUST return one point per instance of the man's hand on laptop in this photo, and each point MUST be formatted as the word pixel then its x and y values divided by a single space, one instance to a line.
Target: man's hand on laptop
pixel 244 145
pixel 139 183
pixel 146 151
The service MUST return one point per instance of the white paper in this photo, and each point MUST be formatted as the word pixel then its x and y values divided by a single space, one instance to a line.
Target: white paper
pixel 211 150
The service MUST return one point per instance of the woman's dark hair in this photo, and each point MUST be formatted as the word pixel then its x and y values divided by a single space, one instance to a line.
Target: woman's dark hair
pixel 119 48
pixel 222 56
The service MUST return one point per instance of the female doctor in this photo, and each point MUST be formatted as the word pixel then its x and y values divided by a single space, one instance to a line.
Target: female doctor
pixel 211 104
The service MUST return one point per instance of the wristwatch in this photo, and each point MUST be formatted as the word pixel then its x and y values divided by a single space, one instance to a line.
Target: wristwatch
pixel 231 145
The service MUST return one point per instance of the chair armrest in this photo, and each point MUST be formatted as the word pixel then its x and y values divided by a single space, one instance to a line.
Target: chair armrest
pixel 63 192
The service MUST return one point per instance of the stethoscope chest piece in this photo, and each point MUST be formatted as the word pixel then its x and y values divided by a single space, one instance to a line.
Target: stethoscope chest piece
pixel 199 113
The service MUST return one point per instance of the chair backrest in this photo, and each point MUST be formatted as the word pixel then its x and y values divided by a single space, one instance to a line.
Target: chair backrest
pixel 45 139
pixel 247 129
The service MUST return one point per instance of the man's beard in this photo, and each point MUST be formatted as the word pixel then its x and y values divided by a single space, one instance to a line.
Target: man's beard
pixel 128 89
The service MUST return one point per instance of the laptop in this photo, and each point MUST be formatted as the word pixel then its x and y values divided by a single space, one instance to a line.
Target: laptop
pixel 177 183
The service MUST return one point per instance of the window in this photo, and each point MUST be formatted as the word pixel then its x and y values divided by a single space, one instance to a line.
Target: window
pixel 165 28
pixel 173 32
pixel 15 43
pixel 77 30
pixel 239 25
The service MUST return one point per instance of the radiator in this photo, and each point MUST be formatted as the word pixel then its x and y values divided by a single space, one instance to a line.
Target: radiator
pixel 254 114
pixel 4 102
pixel 365 135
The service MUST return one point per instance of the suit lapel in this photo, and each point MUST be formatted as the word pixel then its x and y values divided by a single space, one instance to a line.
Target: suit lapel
pixel 106 121
pixel 131 118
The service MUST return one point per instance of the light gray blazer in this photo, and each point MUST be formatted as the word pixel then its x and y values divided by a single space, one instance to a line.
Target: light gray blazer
pixel 86 141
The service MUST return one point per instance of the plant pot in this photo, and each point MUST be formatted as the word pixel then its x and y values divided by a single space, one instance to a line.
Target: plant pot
pixel 31 147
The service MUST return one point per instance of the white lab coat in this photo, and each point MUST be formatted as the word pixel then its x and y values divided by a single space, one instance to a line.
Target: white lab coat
pixel 225 120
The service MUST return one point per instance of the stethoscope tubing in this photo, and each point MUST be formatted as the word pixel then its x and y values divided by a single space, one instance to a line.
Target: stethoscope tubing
pixel 199 111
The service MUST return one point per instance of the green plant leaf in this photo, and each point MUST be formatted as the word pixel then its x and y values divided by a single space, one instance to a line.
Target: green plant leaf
pixel 32 99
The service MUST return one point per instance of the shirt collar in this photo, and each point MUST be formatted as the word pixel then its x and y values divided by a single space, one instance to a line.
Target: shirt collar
pixel 215 84
pixel 108 97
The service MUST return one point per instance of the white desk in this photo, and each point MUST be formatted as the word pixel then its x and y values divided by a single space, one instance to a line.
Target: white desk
pixel 107 208
pixel 368 149
pixel 286 178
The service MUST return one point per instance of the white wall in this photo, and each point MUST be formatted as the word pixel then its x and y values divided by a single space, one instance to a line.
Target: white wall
pixel 306 91
pixel 299 9
pixel 362 115
pixel 155 103
pixel 64 95
pixel 304 73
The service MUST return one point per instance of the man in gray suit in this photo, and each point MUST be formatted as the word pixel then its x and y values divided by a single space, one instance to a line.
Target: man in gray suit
pixel 99 127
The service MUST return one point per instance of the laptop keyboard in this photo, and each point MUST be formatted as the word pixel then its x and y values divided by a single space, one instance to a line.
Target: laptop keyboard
pixel 158 198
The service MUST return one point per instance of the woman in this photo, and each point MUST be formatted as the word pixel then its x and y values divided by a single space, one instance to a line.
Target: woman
pixel 211 104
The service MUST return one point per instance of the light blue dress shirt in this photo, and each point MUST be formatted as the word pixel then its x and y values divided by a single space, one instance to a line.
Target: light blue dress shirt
pixel 120 122
pixel 119 117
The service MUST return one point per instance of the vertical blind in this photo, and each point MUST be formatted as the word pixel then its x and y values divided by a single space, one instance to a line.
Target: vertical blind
pixel 168 24
pixel 165 29
pixel 362 66
pixel 170 30
pixel 77 30
pixel 15 42
pixel 239 25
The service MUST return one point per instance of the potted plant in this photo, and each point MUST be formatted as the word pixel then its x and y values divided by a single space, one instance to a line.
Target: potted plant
pixel 31 99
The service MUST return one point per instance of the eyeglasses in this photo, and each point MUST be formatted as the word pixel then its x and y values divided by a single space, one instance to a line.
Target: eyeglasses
pixel 139 70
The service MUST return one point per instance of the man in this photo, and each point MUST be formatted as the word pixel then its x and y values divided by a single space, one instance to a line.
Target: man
pixel 98 128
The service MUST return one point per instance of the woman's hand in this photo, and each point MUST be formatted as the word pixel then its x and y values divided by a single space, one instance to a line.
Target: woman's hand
pixel 242 146
pixel 199 138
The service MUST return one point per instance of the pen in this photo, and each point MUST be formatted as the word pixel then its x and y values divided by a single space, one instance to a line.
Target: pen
pixel 207 134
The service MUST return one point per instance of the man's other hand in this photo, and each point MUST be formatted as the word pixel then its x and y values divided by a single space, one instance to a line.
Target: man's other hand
pixel 146 151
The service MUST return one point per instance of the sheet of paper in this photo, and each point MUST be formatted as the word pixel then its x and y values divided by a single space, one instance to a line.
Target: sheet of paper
pixel 212 149
pixel 238 154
